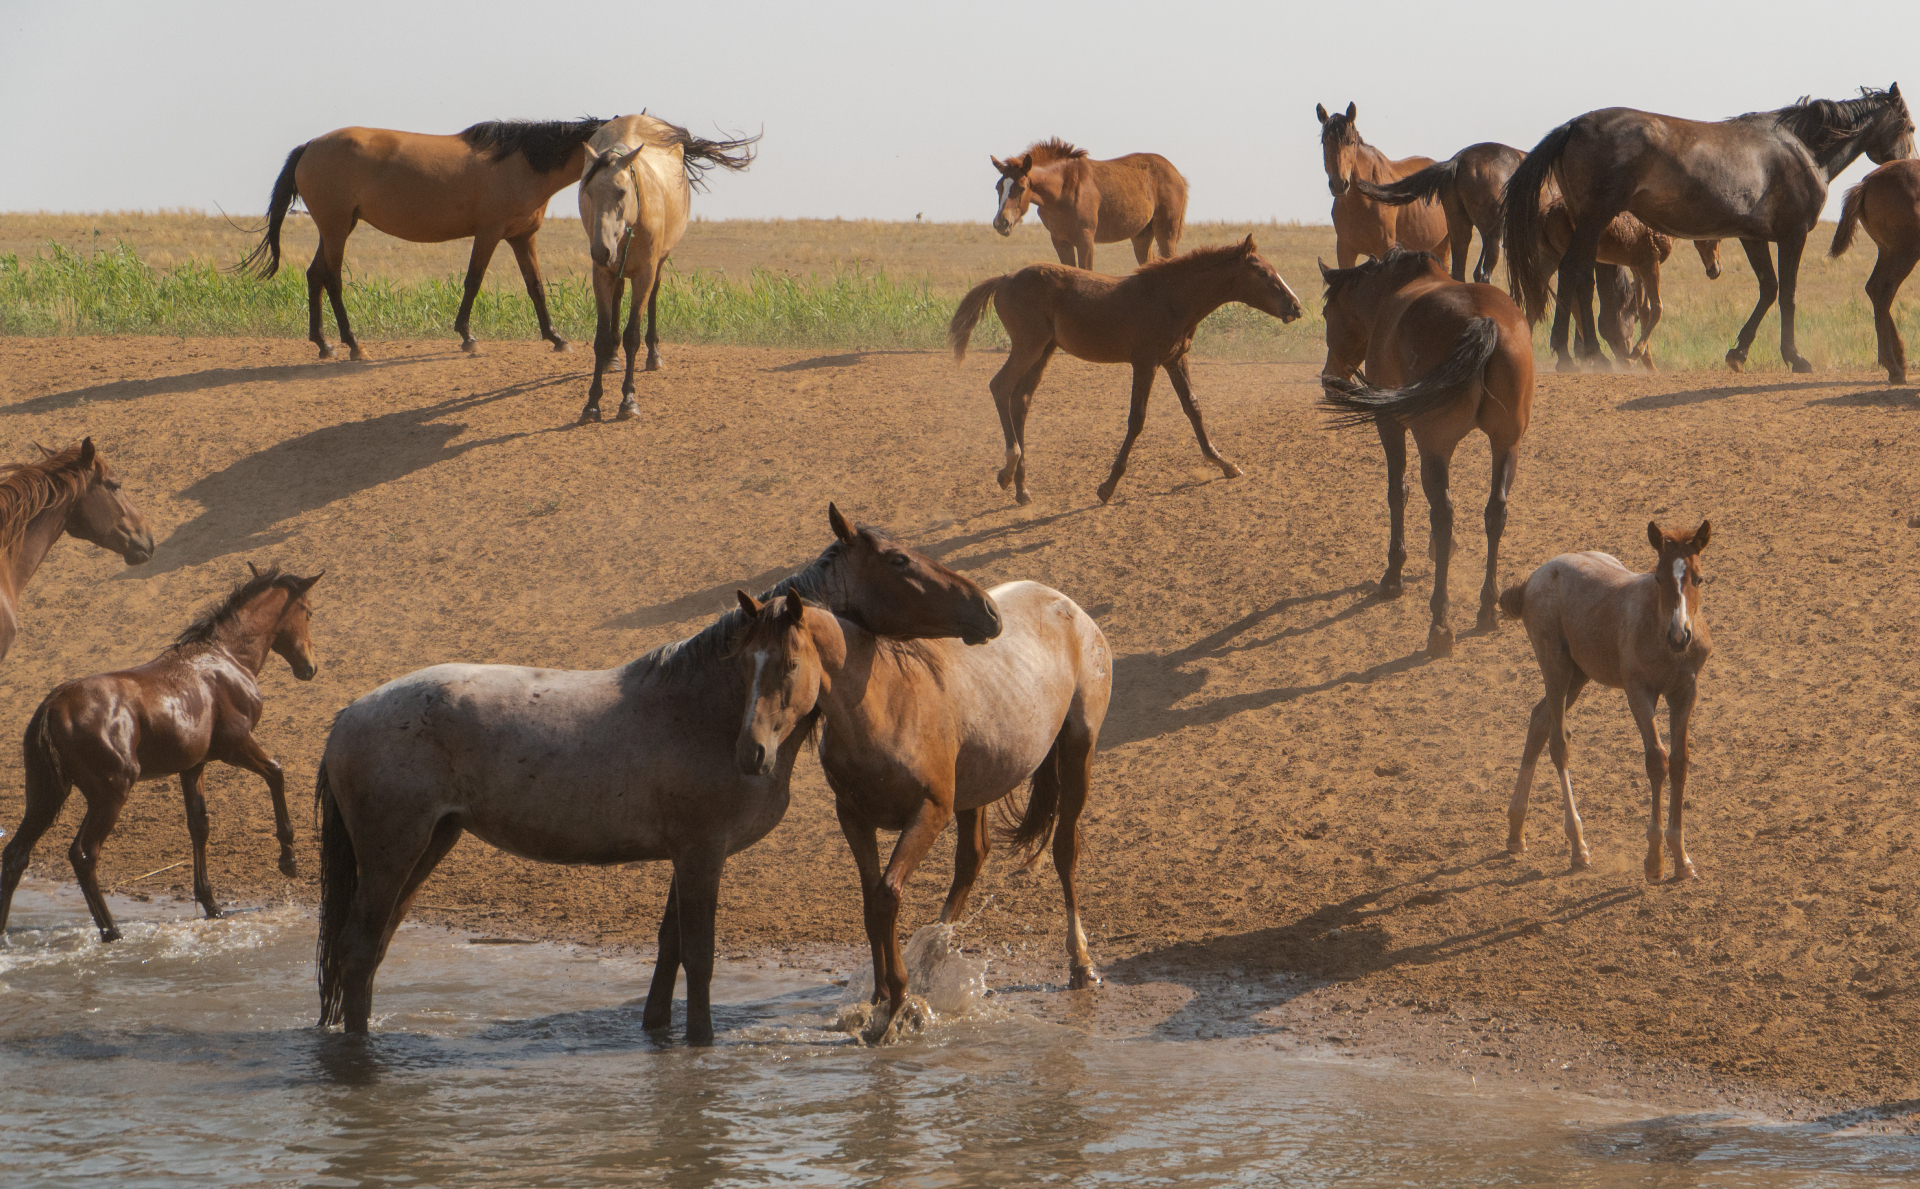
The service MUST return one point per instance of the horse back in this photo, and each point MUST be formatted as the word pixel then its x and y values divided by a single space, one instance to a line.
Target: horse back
pixel 415 186
pixel 1604 616
pixel 1134 190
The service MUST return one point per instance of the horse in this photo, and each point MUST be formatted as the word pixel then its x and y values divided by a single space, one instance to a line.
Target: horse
pixel 1363 227
pixel 197 701
pixel 1147 319
pixel 625 764
pixel 635 191
pixel 1447 357
pixel 1468 186
pixel 68 491
pixel 914 739
pixel 1887 201
pixel 1760 178
pixel 490 181
pixel 1139 197
pixel 1592 619
pixel 1626 243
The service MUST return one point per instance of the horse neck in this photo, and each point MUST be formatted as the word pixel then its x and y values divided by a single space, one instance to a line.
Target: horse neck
pixel 1837 157
pixel 569 172
pixel 1059 176
pixel 248 636
pixel 1199 292
pixel 1371 164
pixel 31 548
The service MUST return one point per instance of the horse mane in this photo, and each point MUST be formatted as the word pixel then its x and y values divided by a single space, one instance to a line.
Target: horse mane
pixel 1046 152
pixel 1336 127
pixel 213 618
pixel 1193 261
pixel 546 144
pixel 1339 278
pixel 30 488
pixel 697 154
pixel 1824 123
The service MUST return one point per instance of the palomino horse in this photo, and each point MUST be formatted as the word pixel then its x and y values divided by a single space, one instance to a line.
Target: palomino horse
pixel 635 192
pixel 491 182
pixel 1363 227
pixel 1887 201
pixel 1592 619
pixel 1448 358
pixel 631 763
pixel 1146 319
pixel 1758 178
pixel 1468 187
pixel 68 491
pixel 914 738
pixel 197 701
pixel 1139 197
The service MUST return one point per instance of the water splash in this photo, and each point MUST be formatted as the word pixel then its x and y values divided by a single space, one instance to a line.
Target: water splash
pixel 942 983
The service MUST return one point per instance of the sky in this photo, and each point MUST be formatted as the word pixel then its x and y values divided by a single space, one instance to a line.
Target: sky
pixel 886 110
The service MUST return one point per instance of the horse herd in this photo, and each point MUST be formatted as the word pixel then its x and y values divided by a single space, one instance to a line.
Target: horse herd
pixel 932 698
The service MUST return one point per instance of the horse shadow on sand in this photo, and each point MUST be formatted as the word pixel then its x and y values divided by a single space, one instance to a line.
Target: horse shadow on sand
pixel 201 381
pixel 1670 400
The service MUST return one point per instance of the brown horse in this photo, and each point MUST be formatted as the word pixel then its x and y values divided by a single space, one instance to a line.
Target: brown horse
pixel 1468 186
pixel 197 701
pixel 1139 197
pixel 1887 201
pixel 1362 226
pixel 69 491
pixel 1447 358
pixel 1592 619
pixel 491 182
pixel 1758 178
pixel 915 738
pixel 1147 319
pixel 638 762
pixel 635 194
pixel 1627 244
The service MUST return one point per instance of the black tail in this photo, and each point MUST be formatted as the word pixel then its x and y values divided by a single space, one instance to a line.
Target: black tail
pixel 1029 837
pixel 1523 231
pixel 1458 375
pixel 339 879
pixel 44 780
pixel 264 260
pixel 698 155
pixel 1428 183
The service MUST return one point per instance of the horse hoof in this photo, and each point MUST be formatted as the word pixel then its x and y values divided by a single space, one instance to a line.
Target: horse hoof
pixel 1684 872
pixel 1653 872
pixel 589 415
pixel 1580 862
pixel 1566 365
pixel 1105 492
pixel 1516 849
pixel 112 934
pixel 1390 588
pixel 287 868
pixel 653 365
pixel 326 352
pixel 1487 620
pixel 1005 478
pixel 628 410
pixel 1439 641
pixel 1737 360
pixel 1083 978
pixel 1229 470
pixel 470 347
pixel 213 912
pixel 1896 377
pixel 561 346
pixel 357 355
pixel 1023 499
pixel 1801 367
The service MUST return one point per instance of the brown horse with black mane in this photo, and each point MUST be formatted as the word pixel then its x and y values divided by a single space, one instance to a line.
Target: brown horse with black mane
pixel 1467 186
pixel 1139 197
pixel 491 182
pixel 1760 178
pixel 1147 319
pixel 1362 226
pixel 197 701
pixel 1887 202
pixel 69 491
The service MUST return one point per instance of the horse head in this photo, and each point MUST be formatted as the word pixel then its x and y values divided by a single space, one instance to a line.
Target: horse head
pixel 101 514
pixel 1339 140
pixel 1677 576
pixel 892 590
pixel 1891 138
pixel 783 671
pixel 1013 190
pixel 1259 285
pixel 291 637
pixel 609 203
pixel 1353 297
pixel 1709 250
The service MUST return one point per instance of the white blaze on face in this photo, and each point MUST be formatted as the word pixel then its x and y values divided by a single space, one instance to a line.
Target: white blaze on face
pixel 1005 186
pixel 1681 623
pixel 753 691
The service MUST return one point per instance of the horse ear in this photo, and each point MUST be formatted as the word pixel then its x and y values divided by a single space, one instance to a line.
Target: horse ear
pixel 303 585
pixel 1353 109
pixel 1320 109
pixel 747 602
pixel 841 528
pixel 1248 248
pixel 795 609
pixel 1325 272
pixel 86 452
pixel 1653 536
pixel 1893 92
pixel 623 162
pixel 253 569
pixel 1025 163
pixel 1701 535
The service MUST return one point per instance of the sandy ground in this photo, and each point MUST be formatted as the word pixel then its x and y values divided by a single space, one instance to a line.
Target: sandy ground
pixel 1289 795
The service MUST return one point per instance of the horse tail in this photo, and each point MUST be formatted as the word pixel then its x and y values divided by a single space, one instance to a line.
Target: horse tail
pixel 339 879
pixel 264 260
pixel 1513 600
pixel 1849 219
pixel 960 330
pixel 1415 187
pixel 1523 229
pixel 1458 375
pixel 697 155
pixel 1028 838
pixel 45 780
pixel 1177 212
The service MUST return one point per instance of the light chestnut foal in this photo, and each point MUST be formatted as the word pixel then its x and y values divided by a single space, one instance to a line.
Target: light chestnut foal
pixel 1592 619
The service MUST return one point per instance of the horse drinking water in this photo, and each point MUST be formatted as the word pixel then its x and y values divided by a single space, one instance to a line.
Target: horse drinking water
pixel 1139 197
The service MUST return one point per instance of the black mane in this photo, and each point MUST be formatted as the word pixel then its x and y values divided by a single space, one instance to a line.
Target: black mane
pixel 209 621
pixel 545 143
pixel 721 638
pixel 1824 123
pixel 1337 277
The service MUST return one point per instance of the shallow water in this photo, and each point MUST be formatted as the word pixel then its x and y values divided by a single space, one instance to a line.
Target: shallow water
pixel 184 1055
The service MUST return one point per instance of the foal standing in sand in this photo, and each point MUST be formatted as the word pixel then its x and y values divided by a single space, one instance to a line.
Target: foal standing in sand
pixel 1139 197
pixel 1147 319
pixel 1887 201
pixel 1592 619
pixel 197 701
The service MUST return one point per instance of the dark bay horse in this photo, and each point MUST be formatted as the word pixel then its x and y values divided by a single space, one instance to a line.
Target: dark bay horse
pixel 637 762
pixel 491 182
pixel 68 491
pixel 1147 319
pixel 196 702
pixel 1363 227
pixel 636 190
pixel 1887 204
pixel 1760 178
pixel 1467 186
pixel 1139 197
pixel 916 738
pixel 1590 618
pixel 1442 359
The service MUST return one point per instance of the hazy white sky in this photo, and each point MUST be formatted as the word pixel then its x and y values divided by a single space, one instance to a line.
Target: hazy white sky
pixel 885 110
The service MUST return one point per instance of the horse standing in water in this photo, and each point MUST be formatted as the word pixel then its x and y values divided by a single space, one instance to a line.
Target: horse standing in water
pixel 1361 226
pixel 1887 202
pixel 68 491
pixel 1448 358
pixel 635 192
pixel 1760 178
pixel 491 182
pixel 1592 619
pixel 633 763
pixel 1139 197
pixel 1147 319
pixel 914 738
pixel 198 701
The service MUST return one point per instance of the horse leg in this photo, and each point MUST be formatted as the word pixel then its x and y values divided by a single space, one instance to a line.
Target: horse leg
pixel 866 858
pixel 969 856
pixel 1020 406
pixel 46 793
pixel 1889 271
pixel 666 965
pixel 1083 251
pixel 1143 245
pixel 106 797
pixel 1006 387
pixel 1459 239
pixel 1075 758
pixel 381 898
pixel 653 318
pixel 1575 296
pixel 1641 703
pixel 923 827
pixel 1762 263
pixel 335 253
pixel 1562 688
pixel 1434 471
pixel 696 882
pixel 1183 388
pixel 608 292
pixel 630 343
pixel 1505 463
pixel 197 830
pixel 1489 253
pixel 1538 725
pixel 1649 277
pixel 1790 249
pixel 1612 320
pixel 1393 440
pixel 316 282
pixel 1136 421
pixel 1064 249
pixel 483 247
pixel 1679 715
pixel 246 753
pixel 528 257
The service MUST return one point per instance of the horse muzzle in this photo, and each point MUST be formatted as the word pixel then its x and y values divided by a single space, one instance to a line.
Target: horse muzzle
pixel 1001 225
pixel 1680 642
pixel 754 758
pixel 1338 187
pixel 139 550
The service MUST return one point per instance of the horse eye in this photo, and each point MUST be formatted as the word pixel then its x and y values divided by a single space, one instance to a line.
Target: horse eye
pixel 793 667
pixel 898 561
pixel 110 484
